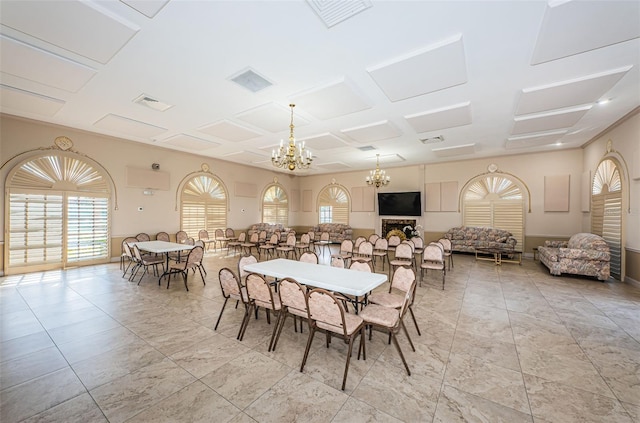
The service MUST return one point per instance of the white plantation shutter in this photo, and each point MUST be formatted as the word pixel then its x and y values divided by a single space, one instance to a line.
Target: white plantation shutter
pixel 337 199
pixel 87 228
pixel 58 213
pixel 275 206
pixel 606 211
pixel 495 201
pixel 203 205
pixel 35 230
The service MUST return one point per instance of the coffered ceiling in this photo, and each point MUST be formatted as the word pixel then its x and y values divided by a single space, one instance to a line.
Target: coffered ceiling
pixel 414 81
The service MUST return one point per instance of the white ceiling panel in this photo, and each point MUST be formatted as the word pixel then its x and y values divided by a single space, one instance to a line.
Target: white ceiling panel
pixel 430 69
pixel 458 150
pixel 128 126
pixel 573 27
pixel 42 67
pixel 446 117
pixel 190 143
pixel 81 27
pixel 229 131
pixel 334 166
pixel 149 8
pixel 540 122
pixel 586 89
pixel 333 100
pixel 272 117
pixel 13 99
pixel 388 158
pixel 373 132
pixel 323 142
pixel 534 140
pixel 246 157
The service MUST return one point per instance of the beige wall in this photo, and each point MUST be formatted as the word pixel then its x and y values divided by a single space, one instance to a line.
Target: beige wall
pixel 625 141
pixel 19 135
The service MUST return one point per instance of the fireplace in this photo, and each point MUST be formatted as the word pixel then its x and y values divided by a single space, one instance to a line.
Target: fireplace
pixel 390 224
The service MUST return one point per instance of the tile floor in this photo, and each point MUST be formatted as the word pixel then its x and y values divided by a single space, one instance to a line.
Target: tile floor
pixel 499 344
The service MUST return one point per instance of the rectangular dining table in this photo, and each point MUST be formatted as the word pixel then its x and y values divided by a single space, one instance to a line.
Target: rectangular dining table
pixel 162 247
pixel 345 281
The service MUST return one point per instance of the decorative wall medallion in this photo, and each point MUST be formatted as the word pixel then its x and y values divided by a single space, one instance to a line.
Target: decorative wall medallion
pixel 609 146
pixel 492 167
pixel 63 143
pixel 333 180
pixel 275 179
pixel 204 167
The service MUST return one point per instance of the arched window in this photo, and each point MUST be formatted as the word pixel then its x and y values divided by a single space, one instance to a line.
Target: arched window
pixel 275 206
pixel 203 205
pixel 495 201
pixel 606 210
pixel 58 213
pixel 333 205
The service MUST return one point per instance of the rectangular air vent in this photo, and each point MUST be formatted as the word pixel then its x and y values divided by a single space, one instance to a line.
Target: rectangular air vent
pixel 432 140
pixel 250 80
pixel 336 11
pixel 366 148
pixel 148 101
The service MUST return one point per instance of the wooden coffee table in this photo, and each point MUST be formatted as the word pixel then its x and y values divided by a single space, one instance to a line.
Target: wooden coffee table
pixel 499 255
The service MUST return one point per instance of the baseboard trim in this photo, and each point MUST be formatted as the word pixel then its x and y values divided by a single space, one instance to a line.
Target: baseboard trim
pixel 632 281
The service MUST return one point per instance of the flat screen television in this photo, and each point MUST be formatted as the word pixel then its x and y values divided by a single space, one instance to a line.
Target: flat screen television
pixel 399 203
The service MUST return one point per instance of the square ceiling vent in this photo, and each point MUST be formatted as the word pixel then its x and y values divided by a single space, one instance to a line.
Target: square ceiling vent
pixel 336 11
pixel 251 80
pixel 152 103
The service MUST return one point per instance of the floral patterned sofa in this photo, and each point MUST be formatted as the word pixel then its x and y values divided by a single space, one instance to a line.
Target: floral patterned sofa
pixel 269 227
pixel 467 238
pixel 338 232
pixel 584 254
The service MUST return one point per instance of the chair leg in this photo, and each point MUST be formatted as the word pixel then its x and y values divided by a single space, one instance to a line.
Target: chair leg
pixel 415 322
pixel 245 323
pixel 273 334
pixel 184 276
pixel 395 341
pixel 312 331
pixel 220 315
pixel 346 367
pixel 284 318
pixel 404 328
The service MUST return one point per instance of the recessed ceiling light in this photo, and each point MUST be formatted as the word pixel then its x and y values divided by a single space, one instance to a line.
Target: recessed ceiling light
pixel 603 101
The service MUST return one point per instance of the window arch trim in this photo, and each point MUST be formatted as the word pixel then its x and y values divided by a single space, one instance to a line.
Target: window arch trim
pixel 264 193
pixel 191 175
pixel 523 186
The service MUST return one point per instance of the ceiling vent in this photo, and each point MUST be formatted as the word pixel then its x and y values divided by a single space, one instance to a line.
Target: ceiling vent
pixel 145 100
pixel 366 148
pixel 336 11
pixel 432 140
pixel 250 80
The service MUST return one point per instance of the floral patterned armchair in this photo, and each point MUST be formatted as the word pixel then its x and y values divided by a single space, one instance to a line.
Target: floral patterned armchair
pixel 584 254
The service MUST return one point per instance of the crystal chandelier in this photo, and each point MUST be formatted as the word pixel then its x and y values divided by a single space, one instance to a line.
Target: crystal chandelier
pixel 378 177
pixel 291 155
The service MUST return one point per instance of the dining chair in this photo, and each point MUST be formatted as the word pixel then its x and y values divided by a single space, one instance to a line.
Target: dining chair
pixel 229 233
pixel 391 320
pixel 304 244
pixel 251 244
pixel 418 247
pixel 373 238
pixel 142 237
pixel 163 236
pixel 192 262
pixel 144 262
pixel 260 294
pixel 243 261
pixel 326 312
pixel 393 242
pixel 289 247
pixel 361 266
pixel 448 253
pixel 181 237
pixel 237 243
pixel 365 251
pixel 293 302
pixel 200 243
pixel 124 255
pixel 380 251
pixel 404 278
pixel 219 237
pixel 232 288
pixel 203 235
pixel 346 251
pixel 309 257
pixel 269 247
pixel 356 244
pixel 433 259
pixel 402 257
pixel 337 261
